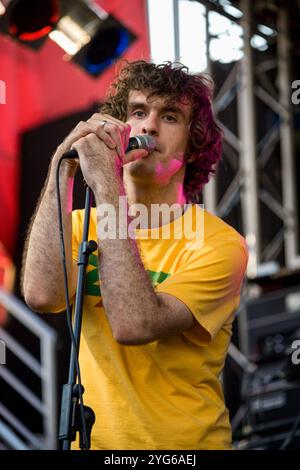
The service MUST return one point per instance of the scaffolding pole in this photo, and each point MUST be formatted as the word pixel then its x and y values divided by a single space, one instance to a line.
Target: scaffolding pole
pixel 210 189
pixel 292 258
pixel 247 131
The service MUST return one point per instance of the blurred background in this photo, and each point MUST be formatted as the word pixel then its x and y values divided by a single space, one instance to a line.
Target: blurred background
pixel 57 59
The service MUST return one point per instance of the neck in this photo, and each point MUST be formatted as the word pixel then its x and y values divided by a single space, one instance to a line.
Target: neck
pixel 170 194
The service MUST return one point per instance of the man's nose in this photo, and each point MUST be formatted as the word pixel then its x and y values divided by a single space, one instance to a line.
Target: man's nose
pixel 150 126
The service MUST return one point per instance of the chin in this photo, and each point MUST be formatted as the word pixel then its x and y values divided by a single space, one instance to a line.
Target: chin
pixel 140 168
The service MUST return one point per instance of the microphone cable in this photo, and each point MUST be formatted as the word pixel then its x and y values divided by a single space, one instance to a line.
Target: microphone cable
pixel 68 307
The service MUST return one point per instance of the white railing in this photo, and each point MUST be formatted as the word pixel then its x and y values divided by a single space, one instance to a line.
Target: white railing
pixel 13 432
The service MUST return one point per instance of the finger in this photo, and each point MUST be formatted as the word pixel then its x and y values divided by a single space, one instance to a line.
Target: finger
pixel 97 128
pixel 87 144
pixel 116 134
pixel 113 130
pixel 108 117
pixel 80 130
pixel 124 127
pixel 128 132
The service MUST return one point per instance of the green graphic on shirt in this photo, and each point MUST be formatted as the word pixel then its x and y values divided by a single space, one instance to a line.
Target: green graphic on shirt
pixel 92 277
pixel 157 277
pixel 93 260
pixel 91 283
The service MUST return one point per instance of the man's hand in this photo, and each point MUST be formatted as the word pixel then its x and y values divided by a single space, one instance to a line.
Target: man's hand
pixel 100 142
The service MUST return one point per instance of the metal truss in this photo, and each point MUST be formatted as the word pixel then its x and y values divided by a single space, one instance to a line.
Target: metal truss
pixel 259 199
pixel 252 184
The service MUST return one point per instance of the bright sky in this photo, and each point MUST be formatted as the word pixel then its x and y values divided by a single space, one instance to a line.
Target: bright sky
pixel 226 47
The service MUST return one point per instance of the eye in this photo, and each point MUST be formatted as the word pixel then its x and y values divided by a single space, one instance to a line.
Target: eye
pixel 170 118
pixel 139 113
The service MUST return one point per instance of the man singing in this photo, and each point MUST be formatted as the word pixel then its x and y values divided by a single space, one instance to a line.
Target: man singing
pixel 158 309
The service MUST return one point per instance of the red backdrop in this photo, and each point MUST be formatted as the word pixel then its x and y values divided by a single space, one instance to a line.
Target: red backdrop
pixel 40 86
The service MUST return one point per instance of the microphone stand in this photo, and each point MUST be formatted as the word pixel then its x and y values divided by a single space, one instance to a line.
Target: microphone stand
pixel 71 420
pixel 70 417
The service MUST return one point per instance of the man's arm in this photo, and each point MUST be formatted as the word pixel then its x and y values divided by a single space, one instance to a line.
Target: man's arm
pixel 42 275
pixel 137 314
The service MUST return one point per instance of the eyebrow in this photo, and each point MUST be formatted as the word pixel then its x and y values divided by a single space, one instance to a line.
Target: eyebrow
pixel 136 104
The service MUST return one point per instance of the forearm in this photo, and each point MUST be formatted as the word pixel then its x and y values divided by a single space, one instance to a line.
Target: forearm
pixel 42 274
pixel 128 296
pixel 129 299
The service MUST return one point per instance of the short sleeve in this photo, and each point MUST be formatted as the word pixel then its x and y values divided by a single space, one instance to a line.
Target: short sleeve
pixel 77 229
pixel 209 283
pixel 77 224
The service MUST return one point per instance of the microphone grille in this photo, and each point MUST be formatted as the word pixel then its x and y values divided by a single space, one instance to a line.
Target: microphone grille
pixel 146 142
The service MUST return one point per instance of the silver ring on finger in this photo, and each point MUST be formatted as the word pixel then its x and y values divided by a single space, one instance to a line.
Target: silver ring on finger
pixel 102 123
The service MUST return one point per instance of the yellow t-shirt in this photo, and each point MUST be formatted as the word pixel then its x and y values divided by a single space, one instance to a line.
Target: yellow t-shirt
pixel 165 394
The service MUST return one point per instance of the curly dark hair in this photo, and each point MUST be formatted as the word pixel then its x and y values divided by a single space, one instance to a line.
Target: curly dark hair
pixel 174 81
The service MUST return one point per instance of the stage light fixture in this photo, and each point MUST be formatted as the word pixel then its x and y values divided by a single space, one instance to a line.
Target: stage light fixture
pixel 29 21
pixel 91 37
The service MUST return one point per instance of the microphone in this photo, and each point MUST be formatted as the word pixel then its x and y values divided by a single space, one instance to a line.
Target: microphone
pixel 145 142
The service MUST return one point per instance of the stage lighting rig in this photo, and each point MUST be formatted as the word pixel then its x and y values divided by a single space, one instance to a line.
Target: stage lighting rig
pixel 91 37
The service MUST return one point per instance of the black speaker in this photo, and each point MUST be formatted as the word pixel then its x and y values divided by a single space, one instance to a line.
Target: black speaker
pixel 273 322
